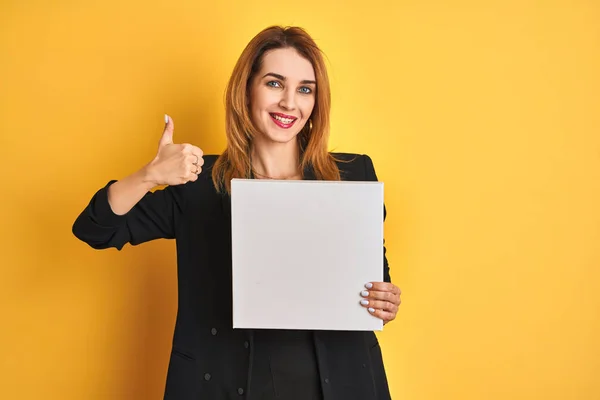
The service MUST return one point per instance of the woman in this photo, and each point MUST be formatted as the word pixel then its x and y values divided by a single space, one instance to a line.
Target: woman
pixel 277 125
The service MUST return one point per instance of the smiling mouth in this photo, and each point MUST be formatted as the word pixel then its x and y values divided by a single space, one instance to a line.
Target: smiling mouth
pixel 283 121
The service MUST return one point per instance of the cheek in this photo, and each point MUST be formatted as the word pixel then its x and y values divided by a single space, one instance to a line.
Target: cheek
pixel 257 100
pixel 257 108
pixel 261 101
pixel 306 106
pixel 255 112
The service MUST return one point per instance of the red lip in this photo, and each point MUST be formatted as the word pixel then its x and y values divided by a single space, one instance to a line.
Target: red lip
pixel 285 116
pixel 281 124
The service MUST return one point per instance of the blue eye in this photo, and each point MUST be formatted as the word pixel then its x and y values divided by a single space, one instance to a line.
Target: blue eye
pixel 305 90
pixel 273 84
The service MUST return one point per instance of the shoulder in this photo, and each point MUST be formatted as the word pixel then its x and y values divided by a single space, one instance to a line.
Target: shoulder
pixel 355 167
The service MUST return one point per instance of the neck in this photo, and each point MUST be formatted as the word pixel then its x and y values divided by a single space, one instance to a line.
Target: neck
pixel 276 160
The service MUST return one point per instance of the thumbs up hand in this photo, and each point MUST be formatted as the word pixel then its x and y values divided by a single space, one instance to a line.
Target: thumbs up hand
pixel 175 164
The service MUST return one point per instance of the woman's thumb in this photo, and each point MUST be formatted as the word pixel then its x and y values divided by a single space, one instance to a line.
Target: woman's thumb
pixel 167 136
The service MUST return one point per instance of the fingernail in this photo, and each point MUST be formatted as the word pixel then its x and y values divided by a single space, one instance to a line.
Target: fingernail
pixel 364 293
pixel 166 119
pixel 369 285
pixel 364 302
pixel 371 310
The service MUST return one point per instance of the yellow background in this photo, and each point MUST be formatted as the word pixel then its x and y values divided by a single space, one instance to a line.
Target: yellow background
pixel 483 120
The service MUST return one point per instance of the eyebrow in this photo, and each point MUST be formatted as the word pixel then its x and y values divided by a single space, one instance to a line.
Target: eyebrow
pixel 281 77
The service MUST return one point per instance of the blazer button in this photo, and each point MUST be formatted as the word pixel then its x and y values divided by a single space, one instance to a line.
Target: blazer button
pixel 240 391
pixel 207 377
pixel 213 331
pixel 326 380
pixel 246 344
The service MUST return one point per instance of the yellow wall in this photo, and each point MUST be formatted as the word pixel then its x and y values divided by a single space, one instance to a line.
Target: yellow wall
pixel 483 121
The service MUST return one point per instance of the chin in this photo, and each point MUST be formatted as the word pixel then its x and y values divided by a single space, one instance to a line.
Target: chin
pixel 280 137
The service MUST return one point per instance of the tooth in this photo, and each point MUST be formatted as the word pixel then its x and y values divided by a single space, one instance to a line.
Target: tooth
pixel 284 120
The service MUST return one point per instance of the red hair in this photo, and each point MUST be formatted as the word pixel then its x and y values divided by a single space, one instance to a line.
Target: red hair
pixel 239 129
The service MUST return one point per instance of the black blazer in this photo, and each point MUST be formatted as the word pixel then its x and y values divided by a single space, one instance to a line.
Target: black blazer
pixel 209 359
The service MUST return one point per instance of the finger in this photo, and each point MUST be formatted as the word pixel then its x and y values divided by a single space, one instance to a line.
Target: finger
pixel 197 151
pixel 384 296
pixel 194 160
pixel 167 136
pixel 186 148
pixel 386 316
pixel 379 305
pixel 195 169
pixel 189 149
pixel 383 287
pixel 191 176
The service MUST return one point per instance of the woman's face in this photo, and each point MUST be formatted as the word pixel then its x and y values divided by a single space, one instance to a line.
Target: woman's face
pixel 282 95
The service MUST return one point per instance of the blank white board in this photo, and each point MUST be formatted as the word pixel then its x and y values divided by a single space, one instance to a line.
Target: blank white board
pixel 302 252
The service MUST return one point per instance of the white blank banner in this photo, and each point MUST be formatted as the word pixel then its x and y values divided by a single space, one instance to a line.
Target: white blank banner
pixel 302 252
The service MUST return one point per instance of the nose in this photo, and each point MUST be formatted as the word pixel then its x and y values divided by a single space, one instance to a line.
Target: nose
pixel 288 99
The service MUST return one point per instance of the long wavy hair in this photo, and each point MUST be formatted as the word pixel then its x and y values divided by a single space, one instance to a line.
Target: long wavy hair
pixel 313 138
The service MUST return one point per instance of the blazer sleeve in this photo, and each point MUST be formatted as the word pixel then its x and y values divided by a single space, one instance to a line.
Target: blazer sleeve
pixel 153 217
pixel 372 176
